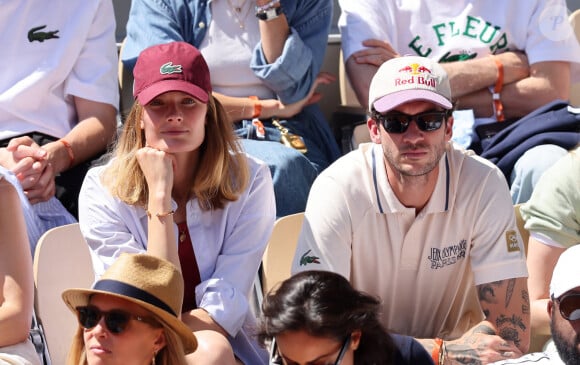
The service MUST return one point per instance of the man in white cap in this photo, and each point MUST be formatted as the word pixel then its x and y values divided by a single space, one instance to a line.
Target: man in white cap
pixel 564 311
pixel 424 225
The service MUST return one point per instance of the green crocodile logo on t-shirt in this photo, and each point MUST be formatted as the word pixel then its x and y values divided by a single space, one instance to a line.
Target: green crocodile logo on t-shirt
pixel 305 260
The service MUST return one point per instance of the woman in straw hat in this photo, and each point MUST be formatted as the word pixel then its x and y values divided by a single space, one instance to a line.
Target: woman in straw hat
pixel 178 187
pixel 130 315
pixel 16 283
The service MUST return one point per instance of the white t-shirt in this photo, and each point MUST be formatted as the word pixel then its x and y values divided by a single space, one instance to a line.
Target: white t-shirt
pixel 40 75
pixel 227 49
pixel 423 268
pixel 461 29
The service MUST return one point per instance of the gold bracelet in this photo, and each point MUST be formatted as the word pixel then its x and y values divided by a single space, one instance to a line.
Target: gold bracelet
pixel 160 215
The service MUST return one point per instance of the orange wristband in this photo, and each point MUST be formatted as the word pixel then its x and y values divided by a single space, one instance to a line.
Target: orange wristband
pixel 497 105
pixel 69 150
pixel 437 350
pixel 257 106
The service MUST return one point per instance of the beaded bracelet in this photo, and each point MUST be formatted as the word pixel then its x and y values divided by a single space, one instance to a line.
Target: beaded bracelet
pixel 268 6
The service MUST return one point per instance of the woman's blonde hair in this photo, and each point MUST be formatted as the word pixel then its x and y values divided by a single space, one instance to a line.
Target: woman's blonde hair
pixel 172 354
pixel 222 171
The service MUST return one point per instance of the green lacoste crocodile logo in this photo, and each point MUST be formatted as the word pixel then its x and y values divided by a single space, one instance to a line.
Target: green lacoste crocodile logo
pixel 34 34
pixel 305 260
pixel 169 68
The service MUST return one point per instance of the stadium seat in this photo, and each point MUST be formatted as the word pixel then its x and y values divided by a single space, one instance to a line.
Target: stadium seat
pixel 277 259
pixel 61 261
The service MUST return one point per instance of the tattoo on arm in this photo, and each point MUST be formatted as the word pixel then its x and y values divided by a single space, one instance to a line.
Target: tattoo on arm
pixel 486 292
pixel 484 329
pixel 513 320
pixel 526 304
pixel 468 351
pixel 510 334
pixel 509 291
pixel 464 354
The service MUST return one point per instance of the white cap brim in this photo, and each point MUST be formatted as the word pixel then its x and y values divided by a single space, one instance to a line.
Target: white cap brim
pixel 393 100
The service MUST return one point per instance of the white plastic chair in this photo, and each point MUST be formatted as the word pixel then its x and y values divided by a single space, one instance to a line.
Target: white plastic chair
pixel 61 261
pixel 277 259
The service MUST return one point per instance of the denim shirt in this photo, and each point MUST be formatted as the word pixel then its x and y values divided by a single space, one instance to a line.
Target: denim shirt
pixel 290 76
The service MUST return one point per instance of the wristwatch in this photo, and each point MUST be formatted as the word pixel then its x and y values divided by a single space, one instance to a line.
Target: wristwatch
pixel 269 14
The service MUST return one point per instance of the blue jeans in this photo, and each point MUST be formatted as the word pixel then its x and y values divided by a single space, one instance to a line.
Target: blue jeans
pixel 530 167
pixel 292 173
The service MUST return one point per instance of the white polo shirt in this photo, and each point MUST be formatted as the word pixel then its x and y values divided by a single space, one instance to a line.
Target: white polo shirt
pixel 424 268
pixel 41 73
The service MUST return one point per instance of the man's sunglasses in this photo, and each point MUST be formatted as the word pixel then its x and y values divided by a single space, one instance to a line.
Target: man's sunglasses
pixel 276 359
pixel 570 306
pixel 116 320
pixel 395 122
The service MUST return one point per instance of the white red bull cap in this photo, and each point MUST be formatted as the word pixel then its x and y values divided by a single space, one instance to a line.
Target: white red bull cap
pixel 409 78
pixel 566 275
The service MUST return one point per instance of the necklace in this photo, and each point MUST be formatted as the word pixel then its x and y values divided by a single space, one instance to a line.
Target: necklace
pixel 182 235
pixel 181 231
pixel 237 11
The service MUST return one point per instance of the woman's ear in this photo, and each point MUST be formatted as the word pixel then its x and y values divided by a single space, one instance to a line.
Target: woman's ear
pixel 160 341
pixel 355 339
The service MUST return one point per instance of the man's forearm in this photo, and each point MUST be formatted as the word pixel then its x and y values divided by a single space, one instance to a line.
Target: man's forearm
pixel 479 345
pixel 467 77
pixel 93 133
pixel 360 76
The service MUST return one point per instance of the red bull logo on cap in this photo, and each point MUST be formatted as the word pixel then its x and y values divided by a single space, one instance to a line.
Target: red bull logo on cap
pixel 415 69
pixel 420 75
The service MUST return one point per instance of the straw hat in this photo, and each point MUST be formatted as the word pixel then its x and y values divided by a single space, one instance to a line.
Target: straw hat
pixel 153 283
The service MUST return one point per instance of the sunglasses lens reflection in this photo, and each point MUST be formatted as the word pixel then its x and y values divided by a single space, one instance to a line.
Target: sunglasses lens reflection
pixel 570 307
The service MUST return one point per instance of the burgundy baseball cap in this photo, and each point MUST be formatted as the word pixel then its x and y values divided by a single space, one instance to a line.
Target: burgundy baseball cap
pixel 175 66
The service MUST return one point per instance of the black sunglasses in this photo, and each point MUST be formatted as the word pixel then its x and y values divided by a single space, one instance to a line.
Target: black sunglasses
pixel 116 320
pixel 276 359
pixel 570 306
pixel 395 122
